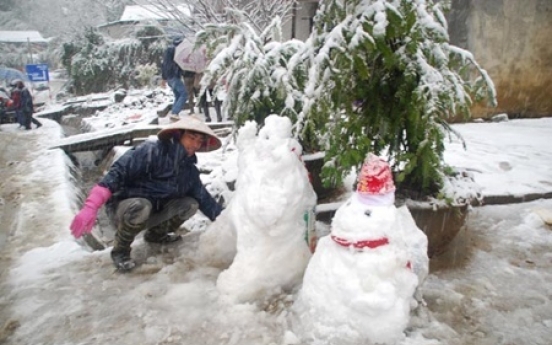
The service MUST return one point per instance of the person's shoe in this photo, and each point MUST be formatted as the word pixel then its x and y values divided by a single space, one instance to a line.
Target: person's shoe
pixel 153 237
pixel 207 119
pixel 38 125
pixel 174 117
pixel 122 261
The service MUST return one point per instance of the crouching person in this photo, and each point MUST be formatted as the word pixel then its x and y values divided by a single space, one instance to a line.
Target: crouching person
pixel 153 187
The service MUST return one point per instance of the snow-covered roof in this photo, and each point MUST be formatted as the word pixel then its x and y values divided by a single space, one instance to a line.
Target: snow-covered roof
pixel 145 12
pixel 22 36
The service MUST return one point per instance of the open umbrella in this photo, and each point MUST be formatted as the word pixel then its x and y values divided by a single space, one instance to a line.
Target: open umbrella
pixel 8 74
pixel 189 58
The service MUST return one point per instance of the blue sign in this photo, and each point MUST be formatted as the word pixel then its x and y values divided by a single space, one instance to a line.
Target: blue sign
pixel 38 72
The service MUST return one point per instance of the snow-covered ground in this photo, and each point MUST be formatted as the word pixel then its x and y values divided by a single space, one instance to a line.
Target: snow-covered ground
pixel 493 286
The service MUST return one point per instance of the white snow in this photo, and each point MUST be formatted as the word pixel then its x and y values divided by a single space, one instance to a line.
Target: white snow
pixel 267 213
pixel 492 287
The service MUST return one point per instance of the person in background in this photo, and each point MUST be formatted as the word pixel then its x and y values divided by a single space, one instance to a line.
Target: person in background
pixel 214 101
pixel 171 74
pixel 154 187
pixel 203 103
pixel 5 103
pixel 23 104
pixel 15 99
pixel 189 81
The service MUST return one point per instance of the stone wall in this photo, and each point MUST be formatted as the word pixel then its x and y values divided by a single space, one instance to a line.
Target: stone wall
pixel 512 40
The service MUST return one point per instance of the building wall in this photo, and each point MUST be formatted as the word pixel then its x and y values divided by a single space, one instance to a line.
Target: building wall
pixel 512 40
pixel 299 26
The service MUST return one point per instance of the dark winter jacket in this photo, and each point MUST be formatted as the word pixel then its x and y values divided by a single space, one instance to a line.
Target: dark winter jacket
pixel 169 68
pixel 159 171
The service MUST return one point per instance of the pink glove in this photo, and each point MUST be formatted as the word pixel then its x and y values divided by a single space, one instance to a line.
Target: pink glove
pixel 85 219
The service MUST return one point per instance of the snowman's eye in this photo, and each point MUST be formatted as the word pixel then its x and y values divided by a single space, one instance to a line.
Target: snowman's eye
pixel 368 213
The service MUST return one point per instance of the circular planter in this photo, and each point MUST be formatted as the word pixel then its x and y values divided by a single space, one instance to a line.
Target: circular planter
pixel 440 223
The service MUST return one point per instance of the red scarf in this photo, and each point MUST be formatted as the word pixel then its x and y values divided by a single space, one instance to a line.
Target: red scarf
pixel 372 244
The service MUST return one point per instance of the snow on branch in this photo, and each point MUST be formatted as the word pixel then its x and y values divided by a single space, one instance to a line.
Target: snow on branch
pixel 258 13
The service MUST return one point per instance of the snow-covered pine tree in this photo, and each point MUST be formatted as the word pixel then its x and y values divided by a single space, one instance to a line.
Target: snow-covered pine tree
pixel 253 68
pixel 383 78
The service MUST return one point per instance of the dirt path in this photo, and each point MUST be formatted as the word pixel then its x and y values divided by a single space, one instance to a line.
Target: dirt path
pixel 23 193
pixel 13 156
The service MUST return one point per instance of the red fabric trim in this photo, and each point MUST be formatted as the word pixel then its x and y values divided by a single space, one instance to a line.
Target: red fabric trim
pixel 372 244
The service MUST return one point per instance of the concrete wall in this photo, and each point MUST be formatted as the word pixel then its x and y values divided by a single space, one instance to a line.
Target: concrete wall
pixel 299 26
pixel 512 40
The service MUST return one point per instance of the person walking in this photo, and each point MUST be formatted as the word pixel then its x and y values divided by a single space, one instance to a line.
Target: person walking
pixel 153 187
pixel 190 84
pixel 171 74
pixel 204 104
pixel 15 101
pixel 22 103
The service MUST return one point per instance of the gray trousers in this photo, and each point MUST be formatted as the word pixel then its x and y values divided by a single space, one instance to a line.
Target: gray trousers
pixel 131 216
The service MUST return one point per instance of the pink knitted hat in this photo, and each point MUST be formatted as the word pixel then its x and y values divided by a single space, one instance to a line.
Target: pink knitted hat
pixel 375 182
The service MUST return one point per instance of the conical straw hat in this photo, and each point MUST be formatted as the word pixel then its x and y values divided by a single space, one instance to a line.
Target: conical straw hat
pixel 192 123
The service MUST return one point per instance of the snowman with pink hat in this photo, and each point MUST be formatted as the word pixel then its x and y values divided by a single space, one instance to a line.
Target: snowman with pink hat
pixel 360 284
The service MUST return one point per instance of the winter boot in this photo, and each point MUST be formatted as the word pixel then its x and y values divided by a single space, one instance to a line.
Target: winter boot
pixel 121 259
pixel 206 111
pixel 120 254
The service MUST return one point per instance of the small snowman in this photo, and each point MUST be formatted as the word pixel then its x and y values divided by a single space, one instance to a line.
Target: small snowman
pixel 360 284
pixel 267 212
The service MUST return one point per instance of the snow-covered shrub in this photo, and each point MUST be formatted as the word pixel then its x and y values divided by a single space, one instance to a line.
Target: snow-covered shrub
pixel 13 59
pixel 17 55
pixel 97 64
pixel 146 73
pixel 383 78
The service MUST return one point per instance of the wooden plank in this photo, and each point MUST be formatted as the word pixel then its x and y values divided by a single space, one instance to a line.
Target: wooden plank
pixel 94 141
pixel 105 140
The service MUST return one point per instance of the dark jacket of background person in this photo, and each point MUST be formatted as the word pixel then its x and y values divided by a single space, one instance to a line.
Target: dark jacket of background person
pixel 169 68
